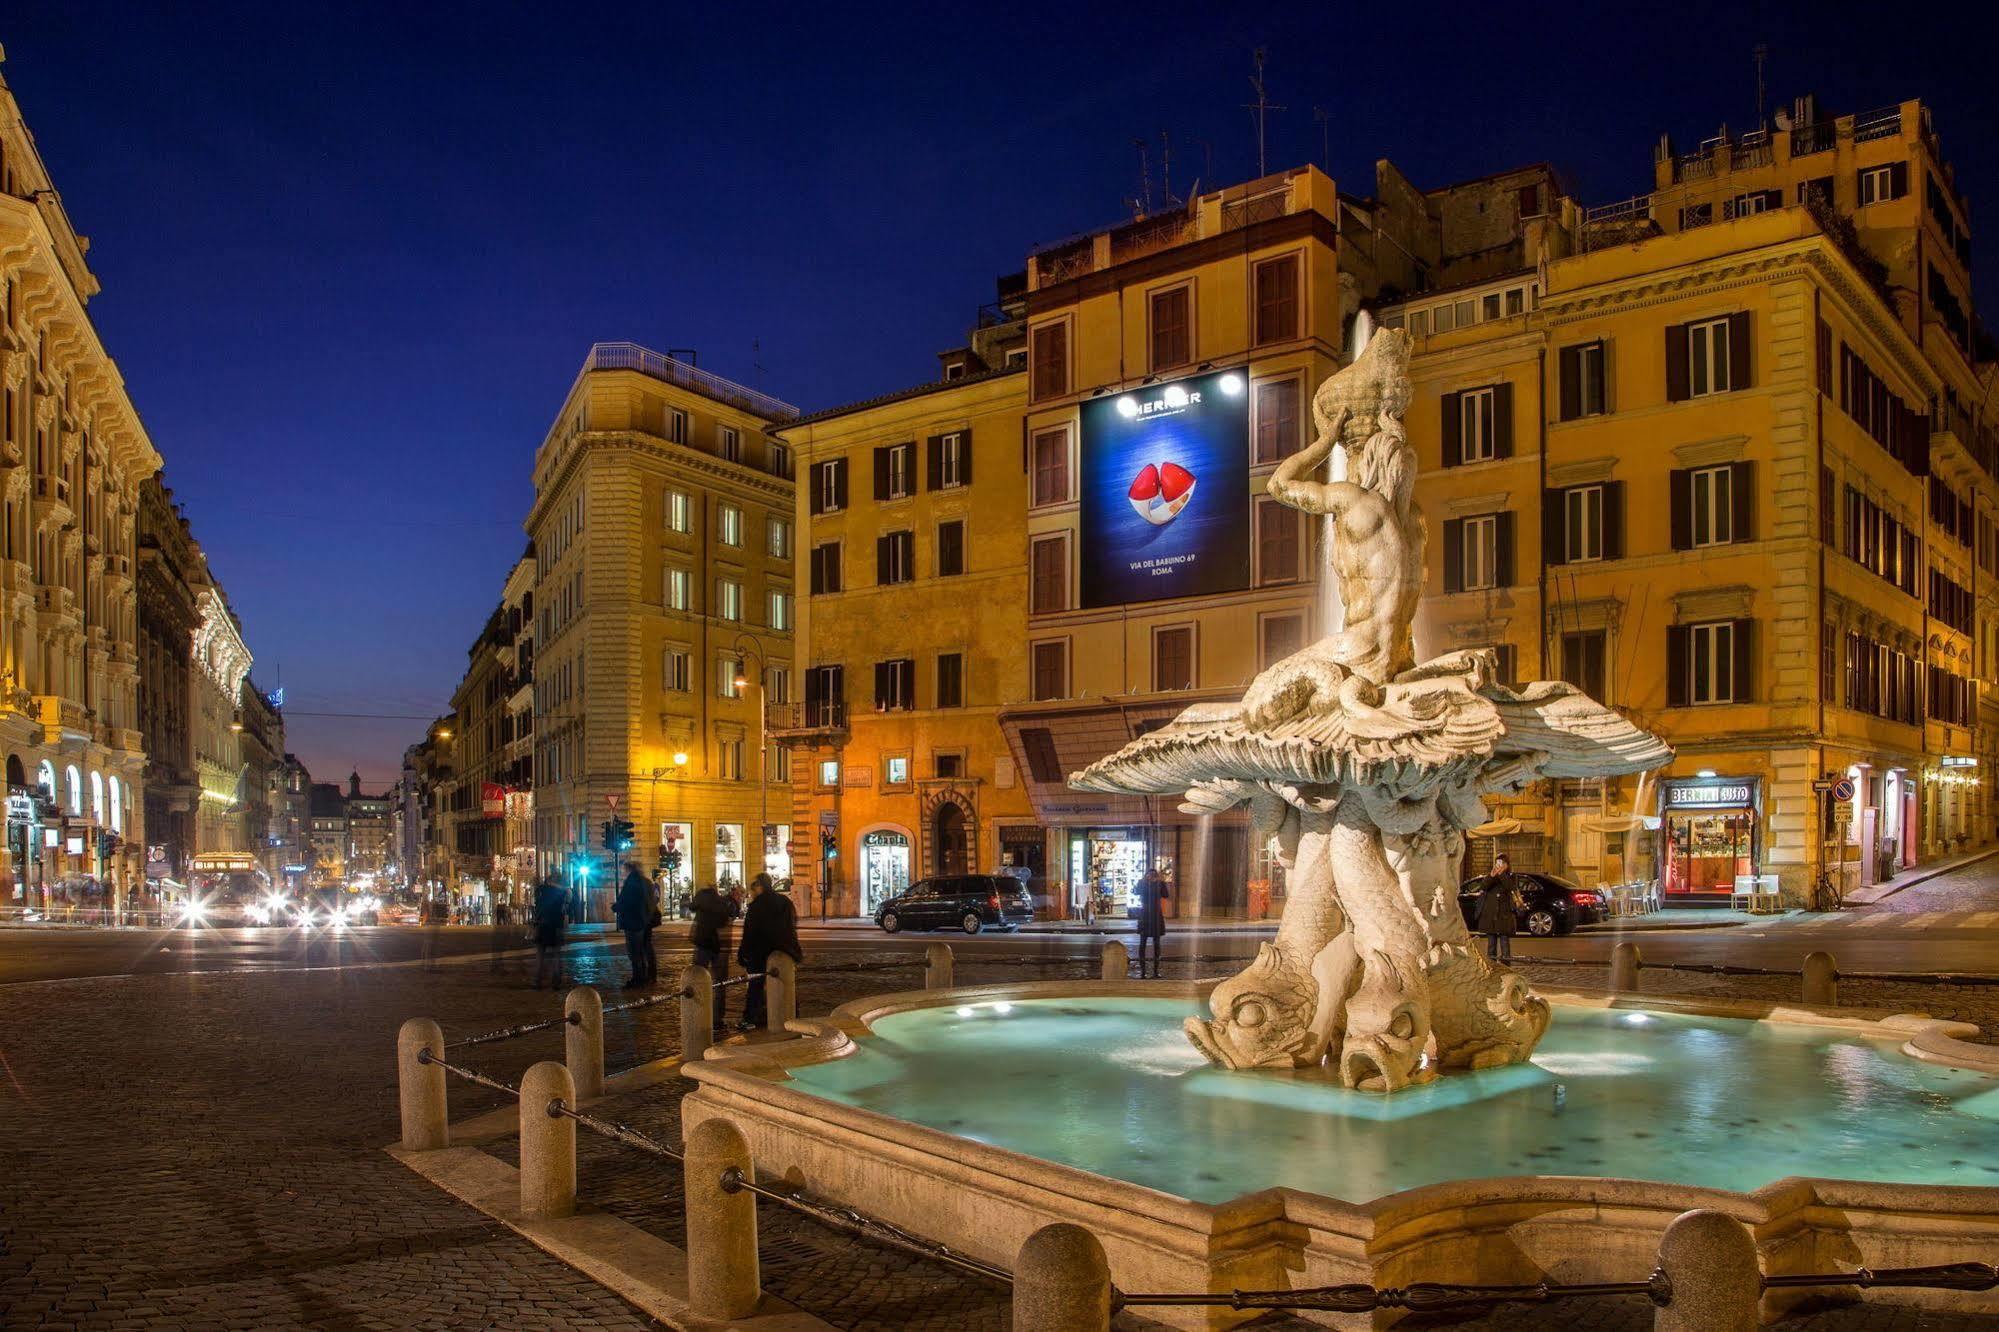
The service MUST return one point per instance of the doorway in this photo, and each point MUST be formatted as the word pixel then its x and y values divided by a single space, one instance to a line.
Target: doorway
pixel 884 867
pixel 949 845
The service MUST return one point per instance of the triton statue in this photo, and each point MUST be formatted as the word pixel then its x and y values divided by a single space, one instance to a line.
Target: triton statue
pixel 1364 769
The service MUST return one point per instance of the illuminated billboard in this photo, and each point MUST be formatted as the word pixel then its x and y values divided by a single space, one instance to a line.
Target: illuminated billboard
pixel 1165 472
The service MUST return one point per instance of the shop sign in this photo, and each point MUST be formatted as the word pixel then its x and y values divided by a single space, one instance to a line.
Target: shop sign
pixel 20 807
pixel 857 776
pixel 1708 795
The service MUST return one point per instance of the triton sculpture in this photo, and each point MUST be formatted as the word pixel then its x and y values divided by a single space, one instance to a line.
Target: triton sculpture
pixel 1365 769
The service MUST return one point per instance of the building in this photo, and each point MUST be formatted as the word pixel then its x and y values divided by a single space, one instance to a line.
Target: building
pixel 663 603
pixel 171 570
pixel 487 801
pixel 73 455
pixel 328 809
pixel 913 558
pixel 217 681
pixel 370 848
pixel 262 740
pixel 291 821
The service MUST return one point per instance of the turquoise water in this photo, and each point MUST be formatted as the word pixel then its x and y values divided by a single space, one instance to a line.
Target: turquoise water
pixel 1113 1087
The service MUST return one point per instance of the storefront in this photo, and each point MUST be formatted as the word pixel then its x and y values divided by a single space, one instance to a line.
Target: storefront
pixel 1710 831
pixel 884 867
pixel 729 856
pixel 777 853
pixel 676 864
pixel 1105 865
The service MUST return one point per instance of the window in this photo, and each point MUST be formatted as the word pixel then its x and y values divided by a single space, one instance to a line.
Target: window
pixel 777 686
pixel 1048 583
pixel 948 763
pixel 826 695
pixel 779 609
pixel 1516 300
pixel 1583 662
pixel 732 444
pixel 826 568
pixel 678 585
pixel 1819 188
pixel 1050 669
pixel 951 548
pixel 780 460
pixel 728 598
pixel 1051 466
pixel 1172 331
pixel 895 558
pixel 1880 184
pixel 895 772
pixel 1582 524
pixel 728 670
pixel 777 537
pixel 729 525
pixel 950 460
pixel 1709 663
pixel 829 772
pixel 829 486
pixel 1712 492
pixel 951 680
pixel 954 371
pixel 1173 657
pixel 895 685
pixel 1475 425
pixel 1707 356
pixel 1277 299
pixel 1280 531
pixel 1582 375
pixel 1753 202
pixel 675 675
pixel 676 425
pixel 1048 352
pixel 730 755
pixel 1478 552
pixel 895 471
pixel 1281 636
pixel 679 512
pixel 1478 425
pixel 1276 419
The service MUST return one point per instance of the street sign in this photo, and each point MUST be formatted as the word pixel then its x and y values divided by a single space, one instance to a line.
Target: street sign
pixel 1842 789
pixel 612 801
pixel 1843 812
pixel 1823 784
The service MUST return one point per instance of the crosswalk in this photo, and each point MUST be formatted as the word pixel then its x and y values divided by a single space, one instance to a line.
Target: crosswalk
pixel 1902 922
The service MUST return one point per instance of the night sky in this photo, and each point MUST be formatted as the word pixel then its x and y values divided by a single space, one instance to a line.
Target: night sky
pixel 352 256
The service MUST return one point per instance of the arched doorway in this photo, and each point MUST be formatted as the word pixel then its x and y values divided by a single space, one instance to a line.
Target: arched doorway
pixel 16 774
pixel 949 849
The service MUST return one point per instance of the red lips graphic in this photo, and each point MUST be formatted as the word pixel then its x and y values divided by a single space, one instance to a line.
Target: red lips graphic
pixel 1159 492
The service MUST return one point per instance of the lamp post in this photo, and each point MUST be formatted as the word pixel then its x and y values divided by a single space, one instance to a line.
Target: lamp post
pixel 748 646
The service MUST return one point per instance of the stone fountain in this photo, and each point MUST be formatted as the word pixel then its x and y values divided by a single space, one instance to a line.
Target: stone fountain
pixel 1364 769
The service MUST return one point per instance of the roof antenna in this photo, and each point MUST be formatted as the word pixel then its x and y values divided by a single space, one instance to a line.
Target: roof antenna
pixel 1166 168
pixel 1325 119
pixel 1143 203
pixel 1260 110
pixel 757 361
pixel 1762 53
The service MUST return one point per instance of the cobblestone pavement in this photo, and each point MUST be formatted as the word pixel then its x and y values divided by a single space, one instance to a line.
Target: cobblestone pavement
pixel 1973 887
pixel 204 1152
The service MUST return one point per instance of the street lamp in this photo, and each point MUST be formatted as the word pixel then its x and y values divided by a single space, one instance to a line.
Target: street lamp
pixel 748 646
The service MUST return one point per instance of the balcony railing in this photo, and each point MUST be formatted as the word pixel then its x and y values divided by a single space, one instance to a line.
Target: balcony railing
pixel 1068 261
pixel 631 356
pixel 1149 235
pixel 1694 166
pixel 1747 154
pixel 1883 124
pixel 826 714
pixel 1258 208
pixel 1817 138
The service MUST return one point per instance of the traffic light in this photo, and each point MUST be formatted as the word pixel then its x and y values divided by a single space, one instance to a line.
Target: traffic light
pixel 829 844
pixel 107 845
pixel 618 835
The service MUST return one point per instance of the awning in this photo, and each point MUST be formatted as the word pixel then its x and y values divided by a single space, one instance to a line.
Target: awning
pixel 1495 828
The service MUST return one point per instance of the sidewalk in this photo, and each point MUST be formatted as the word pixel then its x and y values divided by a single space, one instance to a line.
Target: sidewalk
pixel 1909 878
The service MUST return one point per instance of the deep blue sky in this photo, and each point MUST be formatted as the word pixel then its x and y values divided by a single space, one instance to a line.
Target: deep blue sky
pixel 353 254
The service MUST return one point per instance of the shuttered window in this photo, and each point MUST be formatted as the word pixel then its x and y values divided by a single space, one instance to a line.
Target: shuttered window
pixel 895 557
pixel 950 680
pixel 1277 299
pixel 1478 425
pixel 829 486
pixel 1172 329
pixel 1050 663
pixel 1173 657
pixel 1277 435
pixel 950 460
pixel 1711 662
pixel 951 548
pixel 1280 533
pixel 1048 587
pixel 1051 466
pixel 826 568
pixel 1582 373
pixel 1048 358
pixel 1478 552
pixel 1707 356
pixel 1712 506
pixel 1281 635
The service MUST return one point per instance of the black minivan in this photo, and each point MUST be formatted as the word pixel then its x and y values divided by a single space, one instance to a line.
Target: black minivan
pixel 968 902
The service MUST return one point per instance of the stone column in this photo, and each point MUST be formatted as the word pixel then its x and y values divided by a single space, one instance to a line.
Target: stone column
pixel 1117 961
pixel 1821 977
pixel 425 1120
pixel 583 1040
pixel 1061 1282
pixel 939 969
pixel 1710 1260
pixel 1625 964
pixel 780 990
pixel 723 1280
pixel 697 1013
pixel 548 1144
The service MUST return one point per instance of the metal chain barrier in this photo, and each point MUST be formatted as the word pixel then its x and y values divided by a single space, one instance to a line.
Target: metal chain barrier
pixel 846 1219
pixel 618 1133
pixel 523 1029
pixel 469 1074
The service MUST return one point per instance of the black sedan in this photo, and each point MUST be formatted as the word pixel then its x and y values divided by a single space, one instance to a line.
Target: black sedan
pixel 968 902
pixel 1549 904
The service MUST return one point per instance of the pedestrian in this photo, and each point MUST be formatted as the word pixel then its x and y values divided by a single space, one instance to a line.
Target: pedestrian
pixel 551 912
pixel 634 912
pixel 1499 910
pixel 710 938
pixel 1152 894
pixel 770 926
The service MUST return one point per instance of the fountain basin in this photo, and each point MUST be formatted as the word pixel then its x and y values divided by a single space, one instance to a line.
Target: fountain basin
pixel 976 1115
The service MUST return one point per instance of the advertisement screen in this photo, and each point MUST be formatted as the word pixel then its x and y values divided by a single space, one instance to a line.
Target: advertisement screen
pixel 1165 472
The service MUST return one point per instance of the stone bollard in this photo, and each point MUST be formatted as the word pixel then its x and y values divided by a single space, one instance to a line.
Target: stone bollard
pixel 1821 980
pixel 697 1013
pixel 780 991
pixel 583 1041
pixel 1625 964
pixel 1117 960
pixel 722 1276
pixel 425 1122
pixel 1710 1260
pixel 548 1144
pixel 1061 1282
pixel 939 970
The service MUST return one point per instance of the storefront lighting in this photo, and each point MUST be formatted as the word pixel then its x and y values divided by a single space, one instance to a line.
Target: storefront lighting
pixel 1705 772
pixel 1232 385
pixel 1127 406
pixel 679 758
pixel 1175 396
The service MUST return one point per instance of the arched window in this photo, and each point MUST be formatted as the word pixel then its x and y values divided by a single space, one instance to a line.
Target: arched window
pixel 46 779
pixel 75 780
pixel 117 806
pixel 97 798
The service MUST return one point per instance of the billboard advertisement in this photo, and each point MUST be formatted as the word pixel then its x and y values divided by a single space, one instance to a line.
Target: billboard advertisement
pixel 1165 494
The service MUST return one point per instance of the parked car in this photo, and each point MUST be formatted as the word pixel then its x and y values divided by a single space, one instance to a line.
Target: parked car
pixel 1549 904
pixel 969 902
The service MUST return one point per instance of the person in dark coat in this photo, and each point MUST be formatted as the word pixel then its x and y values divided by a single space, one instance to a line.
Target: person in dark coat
pixel 634 909
pixel 551 913
pixel 770 925
pixel 1151 893
pixel 710 937
pixel 1498 910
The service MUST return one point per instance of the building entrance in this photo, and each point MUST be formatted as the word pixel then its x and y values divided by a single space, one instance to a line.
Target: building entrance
pixel 884 868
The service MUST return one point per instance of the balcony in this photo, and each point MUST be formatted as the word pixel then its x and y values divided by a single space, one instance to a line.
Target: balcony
pixel 57 601
pixel 1815 138
pixel 631 356
pixel 1883 124
pixel 818 719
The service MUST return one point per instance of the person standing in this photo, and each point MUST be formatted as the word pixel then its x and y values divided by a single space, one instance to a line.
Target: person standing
pixel 1499 910
pixel 770 926
pixel 551 912
pixel 712 914
pixel 633 910
pixel 1152 893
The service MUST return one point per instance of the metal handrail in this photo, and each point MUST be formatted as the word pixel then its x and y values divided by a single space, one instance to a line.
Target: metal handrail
pixel 632 356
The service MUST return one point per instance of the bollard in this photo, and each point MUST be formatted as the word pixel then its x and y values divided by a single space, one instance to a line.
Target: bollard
pixel 1061 1282
pixel 425 1123
pixel 1625 964
pixel 1710 1260
pixel 780 991
pixel 938 968
pixel 548 1144
pixel 1821 980
pixel 1117 960
pixel 697 1013
pixel 583 1041
pixel 722 1276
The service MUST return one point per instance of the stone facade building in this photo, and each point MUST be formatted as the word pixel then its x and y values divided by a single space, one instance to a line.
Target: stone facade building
pixel 487 801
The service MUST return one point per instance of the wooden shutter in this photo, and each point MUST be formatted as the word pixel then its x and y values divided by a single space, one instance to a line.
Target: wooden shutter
pixel 1676 363
pixel 965 457
pixel 1676 665
pixel 1898 179
pixel 1680 498
pixel 1502 546
pixel 1827 492
pixel 1502 420
pixel 1825 358
pixel 1742 682
pixel 933 449
pixel 1742 501
pixel 1569 363
pixel 1738 350
pixel 840 484
pixel 815 502
pixel 1554 526
pixel 1454 554
pixel 1453 428
pixel 883 545
pixel 1773 198
pixel 881 472
pixel 1613 520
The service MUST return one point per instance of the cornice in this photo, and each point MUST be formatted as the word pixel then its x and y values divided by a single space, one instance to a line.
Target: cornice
pixel 778 490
